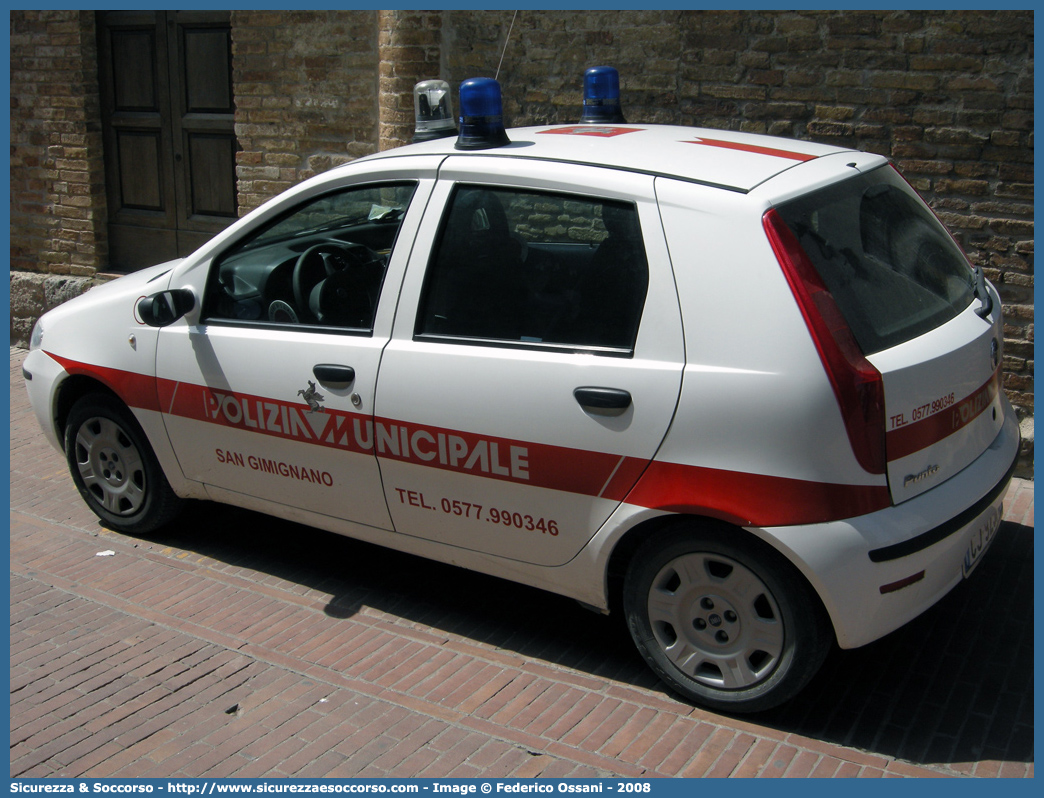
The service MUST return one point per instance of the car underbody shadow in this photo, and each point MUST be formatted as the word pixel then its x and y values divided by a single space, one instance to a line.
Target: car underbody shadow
pixel 955 685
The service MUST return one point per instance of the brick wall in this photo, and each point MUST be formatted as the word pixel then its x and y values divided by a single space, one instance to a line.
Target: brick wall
pixel 57 173
pixel 305 85
pixel 947 94
pixel 409 48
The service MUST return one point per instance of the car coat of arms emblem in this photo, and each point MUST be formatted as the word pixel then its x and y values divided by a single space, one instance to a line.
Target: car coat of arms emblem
pixel 312 397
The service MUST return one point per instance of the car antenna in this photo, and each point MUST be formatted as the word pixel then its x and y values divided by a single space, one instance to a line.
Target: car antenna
pixel 506 40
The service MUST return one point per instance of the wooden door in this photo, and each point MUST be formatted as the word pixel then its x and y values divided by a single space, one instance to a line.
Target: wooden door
pixel 168 125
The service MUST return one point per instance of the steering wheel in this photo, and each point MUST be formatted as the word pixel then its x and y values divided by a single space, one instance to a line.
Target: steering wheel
pixel 319 262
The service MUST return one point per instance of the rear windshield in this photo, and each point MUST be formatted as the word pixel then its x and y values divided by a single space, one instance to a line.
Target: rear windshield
pixel 892 268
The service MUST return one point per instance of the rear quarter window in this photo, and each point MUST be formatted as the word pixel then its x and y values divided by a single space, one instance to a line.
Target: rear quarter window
pixel 892 268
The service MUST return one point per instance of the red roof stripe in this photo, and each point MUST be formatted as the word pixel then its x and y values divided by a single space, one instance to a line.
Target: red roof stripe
pixel 733 145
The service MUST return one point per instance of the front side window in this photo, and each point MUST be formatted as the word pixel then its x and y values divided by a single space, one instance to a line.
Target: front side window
pixel 533 268
pixel 320 265
pixel 892 268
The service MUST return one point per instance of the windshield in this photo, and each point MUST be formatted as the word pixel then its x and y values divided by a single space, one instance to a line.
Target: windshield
pixel 375 205
pixel 892 268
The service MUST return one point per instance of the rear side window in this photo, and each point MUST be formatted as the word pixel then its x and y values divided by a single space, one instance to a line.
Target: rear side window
pixel 892 268
pixel 536 269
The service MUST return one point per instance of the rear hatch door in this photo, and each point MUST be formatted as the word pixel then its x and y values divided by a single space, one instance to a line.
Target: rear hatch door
pixel 921 315
pixel 943 400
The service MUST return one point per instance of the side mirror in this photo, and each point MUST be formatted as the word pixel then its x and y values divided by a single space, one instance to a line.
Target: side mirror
pixel 166 307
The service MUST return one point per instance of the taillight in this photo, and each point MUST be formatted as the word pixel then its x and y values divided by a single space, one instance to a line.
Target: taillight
pixel 857 384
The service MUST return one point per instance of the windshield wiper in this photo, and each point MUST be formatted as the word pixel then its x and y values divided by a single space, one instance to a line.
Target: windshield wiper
pixel 378 214
pixel 333 224
pixel 982 293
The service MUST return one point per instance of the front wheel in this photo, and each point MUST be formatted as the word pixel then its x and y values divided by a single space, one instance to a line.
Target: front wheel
pixel 724 620
pixel 114 467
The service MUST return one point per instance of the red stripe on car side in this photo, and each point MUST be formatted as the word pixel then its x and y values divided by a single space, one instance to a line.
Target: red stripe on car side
pixel 740 498
pixel 546 466
pixel 732 145
pixel 136 390
pixel 929 431
pixel 752 499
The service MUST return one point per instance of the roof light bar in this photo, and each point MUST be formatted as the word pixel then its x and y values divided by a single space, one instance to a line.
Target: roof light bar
pixel 601 96
pixel 433 111
pixel 481 115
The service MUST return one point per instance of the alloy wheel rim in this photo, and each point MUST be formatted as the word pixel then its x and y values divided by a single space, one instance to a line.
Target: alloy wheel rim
pixel 110 466
pixel 716 621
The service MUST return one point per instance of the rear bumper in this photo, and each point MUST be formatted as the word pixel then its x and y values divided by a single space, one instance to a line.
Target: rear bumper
pixel 876 572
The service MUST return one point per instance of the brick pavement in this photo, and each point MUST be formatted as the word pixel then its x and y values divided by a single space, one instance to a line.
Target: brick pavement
pixel 237 645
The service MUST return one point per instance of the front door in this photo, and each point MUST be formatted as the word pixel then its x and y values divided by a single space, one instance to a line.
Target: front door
pixel 167 119
pixel 270 396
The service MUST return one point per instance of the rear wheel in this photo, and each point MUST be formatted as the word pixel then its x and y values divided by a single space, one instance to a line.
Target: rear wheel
pixel 725 621
pixel 114 467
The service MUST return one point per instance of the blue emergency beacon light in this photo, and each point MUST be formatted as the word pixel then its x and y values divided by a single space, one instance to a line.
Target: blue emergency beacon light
pixel 481 115
pixel 601 96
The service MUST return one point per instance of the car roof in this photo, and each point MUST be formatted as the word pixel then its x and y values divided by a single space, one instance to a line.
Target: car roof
pixel 720 158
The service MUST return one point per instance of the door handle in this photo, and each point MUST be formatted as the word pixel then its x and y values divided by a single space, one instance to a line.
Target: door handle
pixel 602 398
pixel 334 377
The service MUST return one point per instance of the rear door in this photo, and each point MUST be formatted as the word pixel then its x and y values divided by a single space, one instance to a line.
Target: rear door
pixel 536 359
pixel 920 316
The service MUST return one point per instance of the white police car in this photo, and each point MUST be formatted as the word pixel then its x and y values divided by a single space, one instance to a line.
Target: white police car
pixel 748 386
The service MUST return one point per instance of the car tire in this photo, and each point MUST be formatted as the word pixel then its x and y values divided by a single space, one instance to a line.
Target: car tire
pixel 724 619
pixel 114 467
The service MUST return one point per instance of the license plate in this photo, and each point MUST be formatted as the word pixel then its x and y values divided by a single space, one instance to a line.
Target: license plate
pixel 981 539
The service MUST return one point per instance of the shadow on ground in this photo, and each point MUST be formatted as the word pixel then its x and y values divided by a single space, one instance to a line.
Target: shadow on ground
pixel 955 685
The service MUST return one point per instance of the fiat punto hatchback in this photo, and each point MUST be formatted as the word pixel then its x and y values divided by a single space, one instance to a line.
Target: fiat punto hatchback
pixel 745 389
